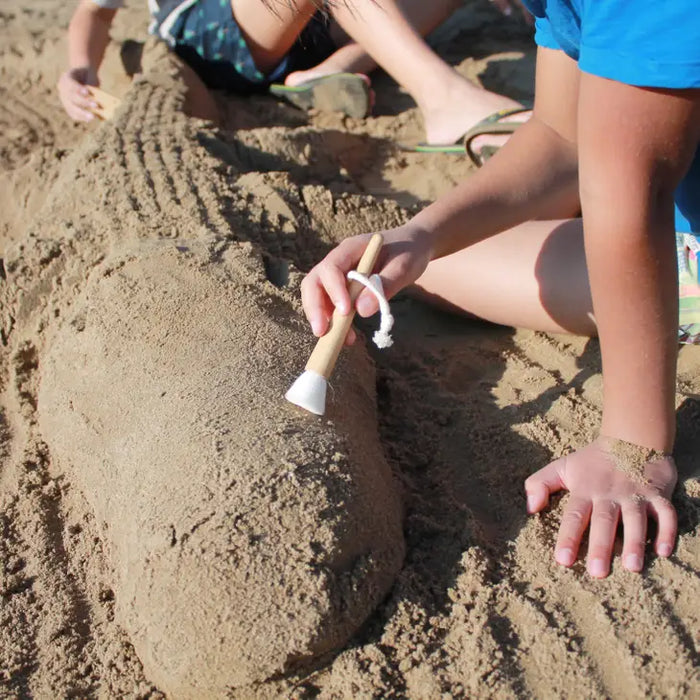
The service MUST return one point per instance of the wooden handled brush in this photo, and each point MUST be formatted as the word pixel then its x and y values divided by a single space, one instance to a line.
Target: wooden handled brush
pixel 309 390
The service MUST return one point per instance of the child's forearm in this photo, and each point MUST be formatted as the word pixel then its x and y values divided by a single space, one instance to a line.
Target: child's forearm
pixel 632 270
pixel 632 158
pixel 533 176
pixel 88 35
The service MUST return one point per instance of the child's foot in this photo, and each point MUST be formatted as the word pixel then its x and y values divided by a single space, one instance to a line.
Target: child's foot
pixel 454 112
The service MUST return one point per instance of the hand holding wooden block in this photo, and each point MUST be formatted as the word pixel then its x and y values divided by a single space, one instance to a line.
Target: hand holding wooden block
pixel 107 104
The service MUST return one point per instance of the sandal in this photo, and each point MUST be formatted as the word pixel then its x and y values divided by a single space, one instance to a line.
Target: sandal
pixel 348 93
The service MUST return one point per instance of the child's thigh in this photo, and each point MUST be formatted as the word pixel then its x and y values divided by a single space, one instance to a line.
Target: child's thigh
pixel 531 276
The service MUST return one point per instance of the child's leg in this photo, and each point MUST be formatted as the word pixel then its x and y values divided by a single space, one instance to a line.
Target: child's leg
pixel 532 276
pixel 271 28
pixel 424 17
pixel 389 34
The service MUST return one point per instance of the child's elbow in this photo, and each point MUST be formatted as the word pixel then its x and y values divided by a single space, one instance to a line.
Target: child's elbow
pixel 640 184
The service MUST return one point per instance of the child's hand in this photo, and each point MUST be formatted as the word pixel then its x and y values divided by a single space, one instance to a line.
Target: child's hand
pixel 608 479
pixel 75 97
pixel 403 258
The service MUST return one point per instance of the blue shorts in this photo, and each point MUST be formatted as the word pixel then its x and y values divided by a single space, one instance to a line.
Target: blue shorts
pixel 208 38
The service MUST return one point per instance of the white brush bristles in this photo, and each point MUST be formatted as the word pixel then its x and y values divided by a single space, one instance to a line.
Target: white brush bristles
pixel 309 392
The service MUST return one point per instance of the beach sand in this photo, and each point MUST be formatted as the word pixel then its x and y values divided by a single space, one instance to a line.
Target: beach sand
pixel 170 527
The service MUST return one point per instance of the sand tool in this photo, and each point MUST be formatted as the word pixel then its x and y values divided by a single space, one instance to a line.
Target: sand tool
pixel 107 104
pixel 309 390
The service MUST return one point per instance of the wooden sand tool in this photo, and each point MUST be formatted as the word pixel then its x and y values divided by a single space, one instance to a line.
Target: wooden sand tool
pixel 309 390
pixel 107 104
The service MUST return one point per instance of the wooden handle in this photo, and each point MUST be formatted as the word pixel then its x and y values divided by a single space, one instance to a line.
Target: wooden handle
pixel 107 103
pixel 328 347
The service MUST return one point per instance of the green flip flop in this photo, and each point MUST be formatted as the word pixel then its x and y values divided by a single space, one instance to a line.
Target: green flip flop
pixel 348 93
pixel 490 125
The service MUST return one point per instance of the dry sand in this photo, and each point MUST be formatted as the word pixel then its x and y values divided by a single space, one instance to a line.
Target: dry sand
pixel 168 527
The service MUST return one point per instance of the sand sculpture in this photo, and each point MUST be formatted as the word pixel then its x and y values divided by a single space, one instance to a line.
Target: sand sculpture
pixel 247 538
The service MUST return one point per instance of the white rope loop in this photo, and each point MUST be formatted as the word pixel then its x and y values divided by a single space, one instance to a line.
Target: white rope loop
pixel 382 337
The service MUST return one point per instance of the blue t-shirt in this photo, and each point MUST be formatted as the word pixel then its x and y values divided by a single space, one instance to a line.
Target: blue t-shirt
pixel 649 43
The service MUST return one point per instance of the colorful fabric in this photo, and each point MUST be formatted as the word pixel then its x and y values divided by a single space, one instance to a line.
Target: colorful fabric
pixel 688 249
pixel 208 38
pixel 646 43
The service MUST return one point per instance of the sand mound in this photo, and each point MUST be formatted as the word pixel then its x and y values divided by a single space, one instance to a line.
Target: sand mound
pixel 247 538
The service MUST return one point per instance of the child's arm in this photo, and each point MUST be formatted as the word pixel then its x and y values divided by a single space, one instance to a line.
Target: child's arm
pixel 633 154
pixel 533 176
pixel 88 36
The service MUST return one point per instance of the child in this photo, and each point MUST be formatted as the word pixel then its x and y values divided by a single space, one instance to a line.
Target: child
pixel 614 134
pixel 245 45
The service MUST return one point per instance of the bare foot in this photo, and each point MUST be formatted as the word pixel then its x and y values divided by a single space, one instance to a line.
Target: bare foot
pixel 454 110
pixel 350 58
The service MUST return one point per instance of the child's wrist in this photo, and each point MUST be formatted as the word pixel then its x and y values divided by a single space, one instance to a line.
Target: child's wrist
pixel 81 62
pixel 656 435
pixel 87 71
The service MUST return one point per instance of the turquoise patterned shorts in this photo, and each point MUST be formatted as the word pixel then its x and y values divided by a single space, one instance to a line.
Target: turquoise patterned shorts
pixel 688 249
pixel 208 38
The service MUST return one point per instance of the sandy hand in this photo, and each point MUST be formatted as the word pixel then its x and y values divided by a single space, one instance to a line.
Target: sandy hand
pixel 404 257
pixel 607 479
pixel 75 97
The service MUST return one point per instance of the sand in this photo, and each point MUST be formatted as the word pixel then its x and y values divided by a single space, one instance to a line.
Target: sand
pixel 171 528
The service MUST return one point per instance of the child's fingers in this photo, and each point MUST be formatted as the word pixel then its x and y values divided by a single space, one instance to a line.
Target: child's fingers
pixel 315 302
pixel 665 515
pixel 542 483
pixel 334 282
pixel 325 288
pixel 78 114
pixel 634 521
pixel 395 275
pixel 76 99
pixel 574 522
pixel 82 99
pixel 604 519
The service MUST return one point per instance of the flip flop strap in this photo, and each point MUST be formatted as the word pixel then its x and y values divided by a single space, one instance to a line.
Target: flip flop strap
pixel 492 125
